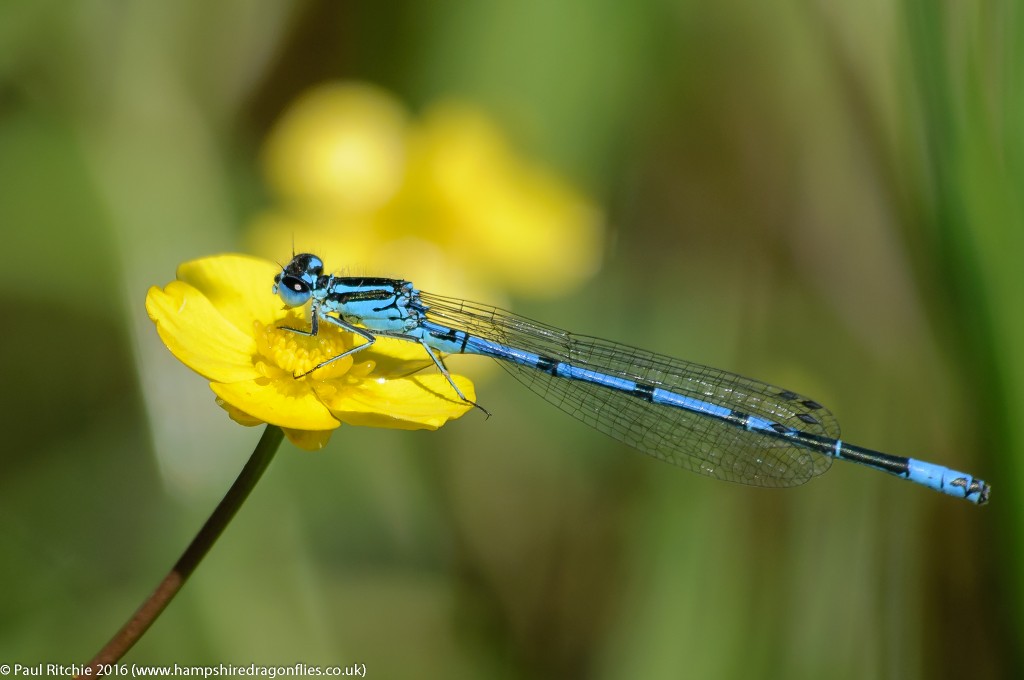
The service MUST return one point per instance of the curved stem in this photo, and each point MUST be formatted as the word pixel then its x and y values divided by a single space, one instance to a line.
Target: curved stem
pixel 148 612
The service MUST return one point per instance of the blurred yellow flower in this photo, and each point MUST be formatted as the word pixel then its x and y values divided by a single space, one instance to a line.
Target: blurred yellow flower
pixel 443 201
pixel 339 150
pixel 221 320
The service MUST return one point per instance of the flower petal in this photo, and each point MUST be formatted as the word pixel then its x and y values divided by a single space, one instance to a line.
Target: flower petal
pixel 238 286
pixel 240 417
pixel 414 403
pixel 310 440
pixel 199 335
pixel 396 358
pixel 291 404
pixel 502 208
pixel 340 146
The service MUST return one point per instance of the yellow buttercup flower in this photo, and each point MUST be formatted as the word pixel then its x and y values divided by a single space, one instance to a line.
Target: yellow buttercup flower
pixel 221 320
pixel 442 199
pixel 338 149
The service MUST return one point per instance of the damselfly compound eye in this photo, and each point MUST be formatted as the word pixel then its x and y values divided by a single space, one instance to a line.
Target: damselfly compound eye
pixel 294 292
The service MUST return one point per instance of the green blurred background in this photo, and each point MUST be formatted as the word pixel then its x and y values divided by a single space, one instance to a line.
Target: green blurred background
pixel 826 196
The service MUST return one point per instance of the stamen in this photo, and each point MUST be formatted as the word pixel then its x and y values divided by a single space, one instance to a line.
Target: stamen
pixel 286 352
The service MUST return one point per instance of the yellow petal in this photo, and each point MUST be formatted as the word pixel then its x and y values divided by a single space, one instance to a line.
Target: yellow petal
pixel 240 417
pixel 494 208
pixel 199 335
pixel 531 214
pixel 395 358
pixel 340 146
pixel 291 404
pixel 414 403
pixel 310 440
pixel 238 286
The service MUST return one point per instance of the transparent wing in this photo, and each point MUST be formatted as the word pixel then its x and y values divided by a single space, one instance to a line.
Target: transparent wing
pixel 700 443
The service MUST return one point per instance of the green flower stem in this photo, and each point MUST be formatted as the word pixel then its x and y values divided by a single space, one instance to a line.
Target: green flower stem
pixel 147 613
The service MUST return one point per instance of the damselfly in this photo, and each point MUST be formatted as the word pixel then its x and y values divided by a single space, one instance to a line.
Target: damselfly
pixel 708 421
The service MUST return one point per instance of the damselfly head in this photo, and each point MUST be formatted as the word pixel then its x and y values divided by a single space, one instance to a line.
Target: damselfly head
pixel 305 266
pixel 296 281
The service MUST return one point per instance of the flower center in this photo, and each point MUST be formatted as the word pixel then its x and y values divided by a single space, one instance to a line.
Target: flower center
pixel 287 352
